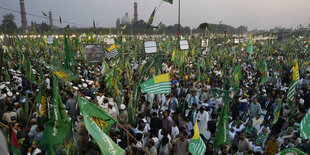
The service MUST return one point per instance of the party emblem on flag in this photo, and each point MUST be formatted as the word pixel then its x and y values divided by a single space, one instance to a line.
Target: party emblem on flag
pixel 100 122
pixel 111 51
pixel 61 75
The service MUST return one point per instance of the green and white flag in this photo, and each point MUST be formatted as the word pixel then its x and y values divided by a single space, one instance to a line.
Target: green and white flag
pixel 196 145
pixel 96 121
pixel 158 85
pixel 291 151
pixel 111 52
pixel 222 128
pixel 305 126
pixel 295 82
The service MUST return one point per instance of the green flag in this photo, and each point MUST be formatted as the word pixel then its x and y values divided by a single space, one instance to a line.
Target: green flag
pixel 158 85
pixel 99 116
pixel 58 126
pixel 264 73
pixel 236 77
pixel 222 128
pixel 29 73
pixel 169 1
pixel 305 127
pixel 196 145
pixel 97 122
pixel 69 56
pixel 60 72
pixel 276 112
pixel 150 21
pixel 289 151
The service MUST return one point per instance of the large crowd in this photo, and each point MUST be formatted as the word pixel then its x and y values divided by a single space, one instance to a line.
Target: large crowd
pixel 163 123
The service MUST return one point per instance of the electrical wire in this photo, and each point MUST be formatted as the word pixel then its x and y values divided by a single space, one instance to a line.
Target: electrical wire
pixel 39 16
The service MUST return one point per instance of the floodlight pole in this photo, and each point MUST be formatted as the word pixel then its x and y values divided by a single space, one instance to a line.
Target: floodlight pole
pixel 179 14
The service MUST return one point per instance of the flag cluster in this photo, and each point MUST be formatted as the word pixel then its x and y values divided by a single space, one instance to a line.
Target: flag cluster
pixel 111 52
pixel 158 85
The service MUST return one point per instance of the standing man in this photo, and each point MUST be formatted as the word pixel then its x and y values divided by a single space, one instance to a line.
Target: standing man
pixel 255 108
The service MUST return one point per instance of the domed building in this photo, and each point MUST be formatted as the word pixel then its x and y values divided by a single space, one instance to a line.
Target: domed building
pixel 125 19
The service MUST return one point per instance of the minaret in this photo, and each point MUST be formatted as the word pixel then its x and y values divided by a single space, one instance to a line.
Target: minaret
pixel 135 15
pixel 50 18
pixel 23 15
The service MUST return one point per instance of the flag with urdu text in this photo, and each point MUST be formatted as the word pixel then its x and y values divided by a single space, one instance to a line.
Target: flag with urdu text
pixel 111 52
pixel 305 126
pixel 150 21
pixel 157 85
pixel 264 73
pixel 291 151
pixel 97 123
pixel 276 112
pixel 222 128
pixel 169 1
pixel 196 145
pixel 59 125
pixel 236 77
pixel 295 81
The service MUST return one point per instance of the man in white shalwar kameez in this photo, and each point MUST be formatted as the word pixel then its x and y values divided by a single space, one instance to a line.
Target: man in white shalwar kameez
pixel 202 120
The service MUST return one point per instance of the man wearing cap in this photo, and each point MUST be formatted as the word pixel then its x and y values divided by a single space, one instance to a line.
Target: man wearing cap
pixel 123 115
pixel 112 111
pixel 9 115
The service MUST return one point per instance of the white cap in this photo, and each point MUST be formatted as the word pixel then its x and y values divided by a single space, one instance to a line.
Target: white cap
pixel 2 86
pixel 10 94
pixel 75 88
pixel 82 80
pixel 111 103
pixel 84 85
pixel 122 107
pixel 80 86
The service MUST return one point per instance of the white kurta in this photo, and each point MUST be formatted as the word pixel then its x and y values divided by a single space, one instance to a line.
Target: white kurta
pixel 202 119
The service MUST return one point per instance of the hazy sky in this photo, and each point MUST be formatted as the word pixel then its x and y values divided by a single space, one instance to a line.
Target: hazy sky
pixel 261 14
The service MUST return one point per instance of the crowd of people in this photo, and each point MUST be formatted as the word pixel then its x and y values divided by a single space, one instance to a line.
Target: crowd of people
pixel 163 123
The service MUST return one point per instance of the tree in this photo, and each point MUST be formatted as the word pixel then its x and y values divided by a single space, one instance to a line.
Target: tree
pixel 8 25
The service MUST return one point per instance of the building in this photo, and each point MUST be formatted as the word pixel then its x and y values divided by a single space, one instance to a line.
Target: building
pixel 125 19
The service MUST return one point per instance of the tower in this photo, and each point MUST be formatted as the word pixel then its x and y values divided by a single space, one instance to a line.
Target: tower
pixel 135 12
pixel 118 23
pixel 50 18
pixel 23 15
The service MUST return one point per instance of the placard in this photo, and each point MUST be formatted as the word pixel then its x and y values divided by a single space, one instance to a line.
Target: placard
pixel 184 45
pixel 93 53
pixel 49 40
pixel 150 47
